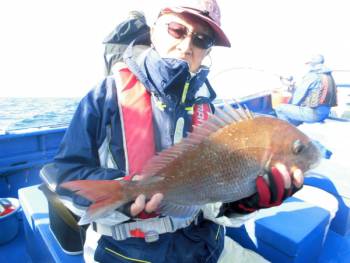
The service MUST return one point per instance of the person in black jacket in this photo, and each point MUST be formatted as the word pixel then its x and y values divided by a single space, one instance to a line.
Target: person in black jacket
pixel 313 97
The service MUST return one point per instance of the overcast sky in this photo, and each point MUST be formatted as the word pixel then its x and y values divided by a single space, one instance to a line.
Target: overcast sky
pixel 54 48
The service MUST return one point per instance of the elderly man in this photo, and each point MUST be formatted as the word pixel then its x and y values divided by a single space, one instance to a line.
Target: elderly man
pixel 148 104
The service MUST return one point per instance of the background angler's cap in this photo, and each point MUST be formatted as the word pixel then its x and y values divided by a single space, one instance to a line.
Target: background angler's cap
pixel 207 10
pixel 315 60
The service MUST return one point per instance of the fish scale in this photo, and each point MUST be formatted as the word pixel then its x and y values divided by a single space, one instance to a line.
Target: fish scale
pixel 218 162
pixel 211 179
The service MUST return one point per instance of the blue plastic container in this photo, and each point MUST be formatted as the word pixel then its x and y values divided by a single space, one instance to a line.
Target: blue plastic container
pixel 9 223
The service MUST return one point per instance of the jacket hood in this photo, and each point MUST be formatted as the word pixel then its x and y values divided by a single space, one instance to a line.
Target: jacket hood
pixel 320 68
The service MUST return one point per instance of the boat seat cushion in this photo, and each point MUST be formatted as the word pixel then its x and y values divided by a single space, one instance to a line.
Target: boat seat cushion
pixel 333 177
pixel 291 232
pixel 41 243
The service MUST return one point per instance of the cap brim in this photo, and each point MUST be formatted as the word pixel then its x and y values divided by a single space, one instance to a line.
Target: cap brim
pixel 220 37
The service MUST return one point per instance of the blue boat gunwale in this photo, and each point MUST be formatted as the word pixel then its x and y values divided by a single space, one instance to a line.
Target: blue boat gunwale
pixel 25 149
pixel 31 132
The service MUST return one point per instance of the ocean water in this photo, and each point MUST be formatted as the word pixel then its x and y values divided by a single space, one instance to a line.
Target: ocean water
pixel 26 113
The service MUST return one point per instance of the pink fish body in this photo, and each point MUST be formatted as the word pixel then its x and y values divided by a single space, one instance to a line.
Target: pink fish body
pixel 218 162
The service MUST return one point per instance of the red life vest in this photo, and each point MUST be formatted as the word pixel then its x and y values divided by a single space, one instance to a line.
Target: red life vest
pixel 135 107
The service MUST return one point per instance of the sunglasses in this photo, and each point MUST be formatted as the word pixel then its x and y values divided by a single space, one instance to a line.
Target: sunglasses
pixel 199 40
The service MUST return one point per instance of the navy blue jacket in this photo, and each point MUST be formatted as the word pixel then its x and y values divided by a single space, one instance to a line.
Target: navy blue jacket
pixel 98 114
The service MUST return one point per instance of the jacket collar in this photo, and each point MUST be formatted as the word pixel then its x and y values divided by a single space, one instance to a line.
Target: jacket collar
pixel 163 76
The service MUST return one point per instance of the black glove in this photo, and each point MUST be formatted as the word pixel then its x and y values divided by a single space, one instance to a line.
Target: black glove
pixel 270 192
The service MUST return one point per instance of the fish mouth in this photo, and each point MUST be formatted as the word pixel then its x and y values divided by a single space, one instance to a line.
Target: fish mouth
pixel 314 164
pixel 310 159
pixel 317 148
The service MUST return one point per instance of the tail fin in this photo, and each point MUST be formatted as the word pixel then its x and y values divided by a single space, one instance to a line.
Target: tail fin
pixel 105 195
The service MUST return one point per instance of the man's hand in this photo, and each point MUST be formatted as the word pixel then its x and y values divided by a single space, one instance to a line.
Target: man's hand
pixel 150 206
pixel 141 204
pixel 272 189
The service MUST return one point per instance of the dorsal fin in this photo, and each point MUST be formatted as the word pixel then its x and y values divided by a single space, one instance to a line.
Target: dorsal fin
pixel 235 114
pixel 244 109
pixel 200 133
pixel 226 118
pixel 241 113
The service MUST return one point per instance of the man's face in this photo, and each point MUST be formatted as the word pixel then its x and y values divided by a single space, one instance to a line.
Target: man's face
pixel 173 37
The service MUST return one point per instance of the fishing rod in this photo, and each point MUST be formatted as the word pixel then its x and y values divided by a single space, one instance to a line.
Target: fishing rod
pixel 288 82
pixel 285 81
pixel 281 77
pixel 248 68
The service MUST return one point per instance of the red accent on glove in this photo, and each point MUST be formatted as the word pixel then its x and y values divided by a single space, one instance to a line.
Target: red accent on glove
pixel 278 188
pixel 270 192
pixel 244 208
pixel 263 191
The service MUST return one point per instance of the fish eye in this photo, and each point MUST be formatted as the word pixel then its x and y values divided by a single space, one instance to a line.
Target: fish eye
pixel 297 147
